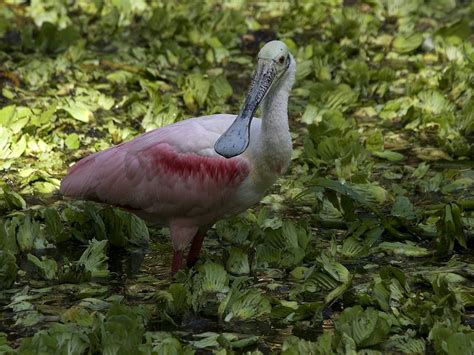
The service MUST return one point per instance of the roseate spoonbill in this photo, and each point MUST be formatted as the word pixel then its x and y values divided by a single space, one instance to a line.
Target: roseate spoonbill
pixel 194 172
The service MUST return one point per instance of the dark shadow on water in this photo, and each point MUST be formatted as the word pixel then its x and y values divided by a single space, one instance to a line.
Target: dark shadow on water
pixel 125 263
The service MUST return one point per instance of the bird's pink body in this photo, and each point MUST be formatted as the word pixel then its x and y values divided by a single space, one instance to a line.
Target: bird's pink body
pixel 170 176
pixel 177 175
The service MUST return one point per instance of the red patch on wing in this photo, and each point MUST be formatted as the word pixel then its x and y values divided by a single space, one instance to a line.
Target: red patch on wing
pixel 225 171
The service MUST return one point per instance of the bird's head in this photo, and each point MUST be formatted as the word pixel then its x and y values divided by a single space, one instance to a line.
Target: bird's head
pixel 275 65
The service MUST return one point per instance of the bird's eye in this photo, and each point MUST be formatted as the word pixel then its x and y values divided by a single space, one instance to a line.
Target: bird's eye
pixel 281 60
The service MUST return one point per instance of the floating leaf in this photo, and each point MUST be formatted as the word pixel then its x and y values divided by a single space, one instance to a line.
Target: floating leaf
pixel 407 249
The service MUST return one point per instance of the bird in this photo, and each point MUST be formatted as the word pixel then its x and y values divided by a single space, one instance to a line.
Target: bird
pixel 192 173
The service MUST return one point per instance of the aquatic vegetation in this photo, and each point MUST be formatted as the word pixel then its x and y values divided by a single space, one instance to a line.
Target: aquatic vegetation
pixel 364 246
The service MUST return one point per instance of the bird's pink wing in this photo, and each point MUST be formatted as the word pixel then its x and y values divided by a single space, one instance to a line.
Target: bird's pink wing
pixel 168 173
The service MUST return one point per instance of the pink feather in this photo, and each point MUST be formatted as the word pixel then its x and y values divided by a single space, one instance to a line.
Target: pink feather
pixel 170 175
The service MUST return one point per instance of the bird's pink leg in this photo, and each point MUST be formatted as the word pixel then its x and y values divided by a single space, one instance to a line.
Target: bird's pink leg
pixel 181 237
pixel 196 246
pixel 177 262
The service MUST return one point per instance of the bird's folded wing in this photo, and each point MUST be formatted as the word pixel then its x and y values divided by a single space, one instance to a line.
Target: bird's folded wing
pixel 155 174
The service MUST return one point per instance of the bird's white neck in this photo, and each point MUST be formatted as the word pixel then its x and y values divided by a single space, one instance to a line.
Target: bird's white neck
pixel 273 150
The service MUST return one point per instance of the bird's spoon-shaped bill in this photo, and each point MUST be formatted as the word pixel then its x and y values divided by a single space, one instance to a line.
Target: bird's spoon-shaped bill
pixel 236 139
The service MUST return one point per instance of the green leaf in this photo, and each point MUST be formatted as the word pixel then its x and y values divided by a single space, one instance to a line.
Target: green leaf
pixel 375 142
pixel 296 346
pixel 123 329
pixel 248 305
pixel 407 249
pixel 210 280
pixel 196 90
pixel 403 208
pixel 54 226
pixel 164 343
pixel 366 327
pixel 29 235
pixel 389 155
pixel 352 248
pixel 72 141
pixel 311 115
pixel 338 271
pixel 448 340
pixel 13 199
pixel 406 344
pixel 94 258
pixel 4 347
pixel 450 228
pixel 59 338
pixel 407 44
pixel 238 262
pixel 345 190
pixel 79 111
pixel 47 267
pixel 174 299
pixel 221 87
pixel 6 115
pixel 8 269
